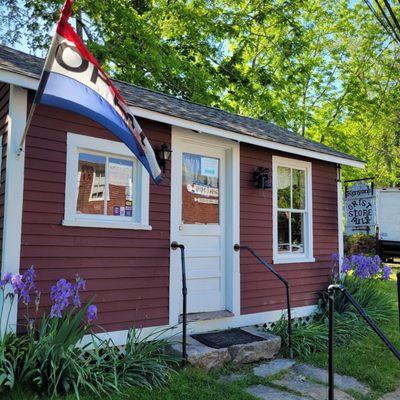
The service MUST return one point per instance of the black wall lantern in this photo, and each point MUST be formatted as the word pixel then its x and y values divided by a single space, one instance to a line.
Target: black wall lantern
pixel 163 154
pixel 261 178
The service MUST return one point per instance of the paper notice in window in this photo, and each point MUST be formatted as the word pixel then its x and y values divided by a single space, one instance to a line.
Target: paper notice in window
pixel 209 167
pixel 120 175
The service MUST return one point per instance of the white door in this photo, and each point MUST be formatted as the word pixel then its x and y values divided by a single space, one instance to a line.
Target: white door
pixel 198 220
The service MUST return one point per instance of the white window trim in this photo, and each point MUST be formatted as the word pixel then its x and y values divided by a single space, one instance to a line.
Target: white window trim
pixel 307 256
pixel 77 143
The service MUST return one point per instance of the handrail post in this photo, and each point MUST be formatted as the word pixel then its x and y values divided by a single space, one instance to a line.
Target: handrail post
pixel 237 247
pixel 175 246
pixel 366 318
pixel 398 295
pixel 331 373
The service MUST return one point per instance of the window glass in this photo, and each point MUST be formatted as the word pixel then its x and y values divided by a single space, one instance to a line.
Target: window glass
pixel 91 184
pixel 200 189
pixel 297 230
pixel 284 182
pixel 120 187
pixel 283 231
pixel 291 193
pixel 105 186
pixel 299 180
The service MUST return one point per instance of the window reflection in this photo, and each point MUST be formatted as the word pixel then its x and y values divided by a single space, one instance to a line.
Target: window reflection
pixel 105 185
pixel 91 184
pixel 120 187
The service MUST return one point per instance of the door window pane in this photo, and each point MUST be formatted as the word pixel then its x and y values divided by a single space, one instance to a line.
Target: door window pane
pixel 299 180
pixel 284 182
pixel 283 232
pixel 91 184
pixel 200 189
pixel 297 229
pixel 120 187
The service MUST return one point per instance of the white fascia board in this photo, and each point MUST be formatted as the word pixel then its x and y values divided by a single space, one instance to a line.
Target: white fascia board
pixel 14 78
pixel 33 83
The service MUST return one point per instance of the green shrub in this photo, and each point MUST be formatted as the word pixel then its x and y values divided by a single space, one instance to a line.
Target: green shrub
pixel 376 302
pixel 360 243
pixel 308 338
pixel 49 359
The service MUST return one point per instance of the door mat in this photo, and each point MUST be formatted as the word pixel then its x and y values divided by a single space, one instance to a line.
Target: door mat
pixel 231 337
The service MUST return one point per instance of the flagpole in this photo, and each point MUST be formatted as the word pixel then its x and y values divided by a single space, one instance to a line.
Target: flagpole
pixel 42 83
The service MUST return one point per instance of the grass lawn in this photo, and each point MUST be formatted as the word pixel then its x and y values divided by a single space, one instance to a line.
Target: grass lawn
pixel 367 360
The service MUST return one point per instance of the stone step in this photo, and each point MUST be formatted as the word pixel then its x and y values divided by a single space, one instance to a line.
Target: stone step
pixel 391 396
pixel 205 357
pixel 298 383
pixel 342 382
pixel 269 393
pixel 273 367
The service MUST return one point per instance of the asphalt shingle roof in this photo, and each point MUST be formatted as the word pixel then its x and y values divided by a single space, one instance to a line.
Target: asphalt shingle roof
pixel 28 65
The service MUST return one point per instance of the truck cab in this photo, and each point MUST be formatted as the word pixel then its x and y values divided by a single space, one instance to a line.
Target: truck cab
pixel 388 222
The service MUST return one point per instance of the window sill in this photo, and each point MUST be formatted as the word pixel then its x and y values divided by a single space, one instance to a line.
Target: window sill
pixel 294 260
pixel 106 224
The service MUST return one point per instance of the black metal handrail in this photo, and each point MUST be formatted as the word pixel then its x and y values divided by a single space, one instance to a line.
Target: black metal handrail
pixel 369 321
pixel 175 246
pixel 237 247
pixel 398 295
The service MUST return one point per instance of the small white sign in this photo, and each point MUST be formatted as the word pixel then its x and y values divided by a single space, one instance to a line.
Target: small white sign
pixel 120 175
pixel 209 167
pixel 360 208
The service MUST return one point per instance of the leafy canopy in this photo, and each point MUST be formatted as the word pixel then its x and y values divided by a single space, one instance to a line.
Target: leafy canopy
pixel 325 69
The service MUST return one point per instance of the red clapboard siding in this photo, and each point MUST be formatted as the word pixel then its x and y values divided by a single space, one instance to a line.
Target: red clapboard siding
pixel 4 101
pixel 260 291
pixel 126 270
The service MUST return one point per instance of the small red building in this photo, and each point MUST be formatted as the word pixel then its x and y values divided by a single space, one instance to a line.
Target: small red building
pixel 77 201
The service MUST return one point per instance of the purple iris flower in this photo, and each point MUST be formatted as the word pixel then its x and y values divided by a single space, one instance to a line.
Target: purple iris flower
pixel 365 267
pixel 91 313
pixel 386 272
pixel 60 293
pixel 80 284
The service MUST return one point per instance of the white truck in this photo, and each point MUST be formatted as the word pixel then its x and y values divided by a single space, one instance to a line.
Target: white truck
pixel 388 222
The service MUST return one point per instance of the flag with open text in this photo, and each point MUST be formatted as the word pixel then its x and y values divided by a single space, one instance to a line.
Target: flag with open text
pixel 73 79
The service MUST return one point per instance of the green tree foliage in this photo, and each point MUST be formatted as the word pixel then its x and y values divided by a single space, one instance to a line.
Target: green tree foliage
pixel 325 69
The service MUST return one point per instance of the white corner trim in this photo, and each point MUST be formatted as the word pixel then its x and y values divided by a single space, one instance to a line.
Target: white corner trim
pixel 14 190
pixel 308 255
pixel 33 83
pixel 173 331
pixel 77 142
pixel 340 217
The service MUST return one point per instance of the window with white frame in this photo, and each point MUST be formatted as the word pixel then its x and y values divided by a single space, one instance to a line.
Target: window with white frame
pixel 292 210
pixel 106 186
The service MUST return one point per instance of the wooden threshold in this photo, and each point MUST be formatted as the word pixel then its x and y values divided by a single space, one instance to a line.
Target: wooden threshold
pixel 205 316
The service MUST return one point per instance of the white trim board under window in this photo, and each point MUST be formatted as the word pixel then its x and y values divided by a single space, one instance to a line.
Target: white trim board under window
pixel 294 178
pixel 107 154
